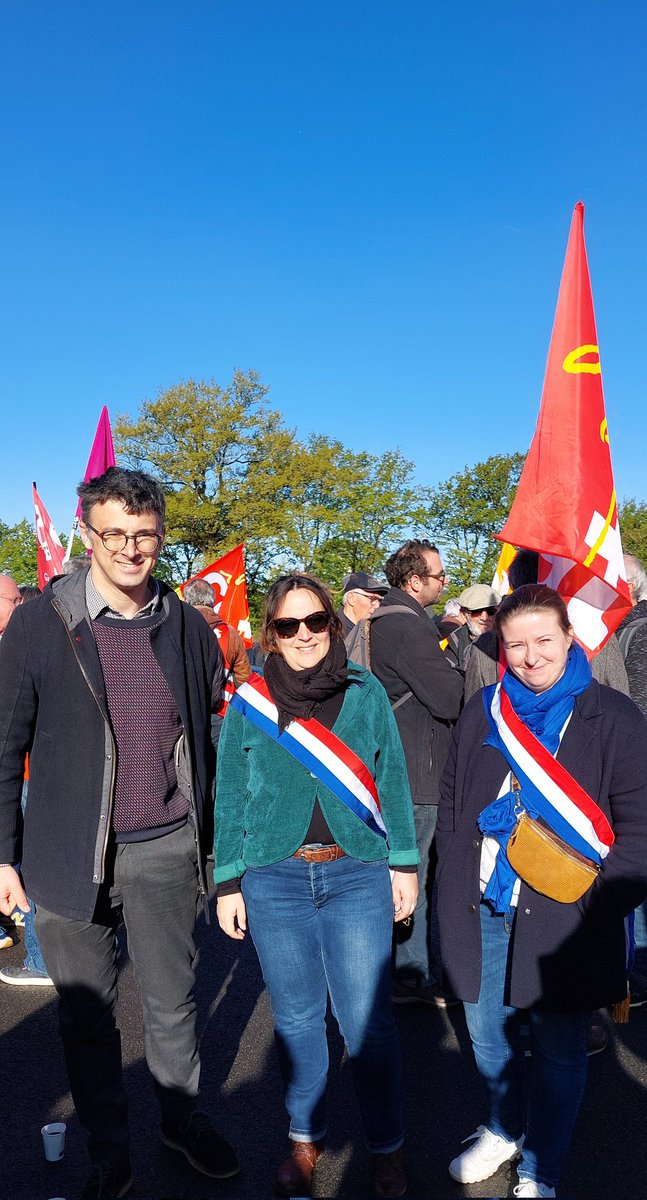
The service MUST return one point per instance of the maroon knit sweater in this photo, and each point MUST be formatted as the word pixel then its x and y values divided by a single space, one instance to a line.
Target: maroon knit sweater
pixel 146 724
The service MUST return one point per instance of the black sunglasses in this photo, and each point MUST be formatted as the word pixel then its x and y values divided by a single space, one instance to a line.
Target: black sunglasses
pixel 476 612
pixel 288 627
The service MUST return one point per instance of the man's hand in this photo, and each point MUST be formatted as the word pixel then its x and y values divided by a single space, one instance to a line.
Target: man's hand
pixel 12 893
pixel 405 894
pixel 232 915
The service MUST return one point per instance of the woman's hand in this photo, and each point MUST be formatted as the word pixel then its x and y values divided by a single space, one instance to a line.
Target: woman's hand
pixel 232 915
pixel 405 894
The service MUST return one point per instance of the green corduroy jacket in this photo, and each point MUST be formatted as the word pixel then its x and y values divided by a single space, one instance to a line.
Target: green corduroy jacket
pixel 265 797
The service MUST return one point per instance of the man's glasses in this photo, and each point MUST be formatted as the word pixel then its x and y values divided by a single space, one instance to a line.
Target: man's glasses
pixel 145 543
pixel 441 576
pixel 288 627
pixel 478 612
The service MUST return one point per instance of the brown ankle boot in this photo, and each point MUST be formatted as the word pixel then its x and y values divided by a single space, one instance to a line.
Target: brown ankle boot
pixel 294 1176
pixel 389 1175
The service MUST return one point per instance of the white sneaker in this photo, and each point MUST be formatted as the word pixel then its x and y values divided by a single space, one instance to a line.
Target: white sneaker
pixel 484 1158
pixel 530 1187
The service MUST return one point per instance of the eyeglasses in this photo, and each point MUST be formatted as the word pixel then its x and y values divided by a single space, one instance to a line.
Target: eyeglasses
pixel 14 601
pixel 113 540
pixel 288 627
pixel 478 612
pixel 441 576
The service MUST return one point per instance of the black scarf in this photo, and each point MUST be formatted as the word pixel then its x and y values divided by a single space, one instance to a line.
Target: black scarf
pixel 301 693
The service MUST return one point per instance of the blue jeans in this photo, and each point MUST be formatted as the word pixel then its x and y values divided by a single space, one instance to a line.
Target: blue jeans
pixel 640 935
pixel 33 955
pixel 540 1097
pixel 413 955
pixel 324 929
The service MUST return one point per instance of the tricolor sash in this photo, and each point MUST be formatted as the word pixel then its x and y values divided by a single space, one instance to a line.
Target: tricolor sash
pixel 548 789
pixel 318 749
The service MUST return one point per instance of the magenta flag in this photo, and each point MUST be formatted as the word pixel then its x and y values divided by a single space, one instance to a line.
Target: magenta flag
pixel 102 454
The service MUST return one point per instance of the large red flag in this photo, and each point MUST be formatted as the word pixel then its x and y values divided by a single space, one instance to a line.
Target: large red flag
pixel 565 506
pixel 227 576
pixel 50 550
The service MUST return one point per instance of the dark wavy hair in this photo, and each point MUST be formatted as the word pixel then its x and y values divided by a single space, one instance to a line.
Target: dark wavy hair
pixel 292 582
pixel 530 598
pixel 407 561
pixel 138 492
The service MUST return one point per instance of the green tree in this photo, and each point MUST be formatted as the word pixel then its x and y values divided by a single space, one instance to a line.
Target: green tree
pixel 18 552
pixel 348 509
pixel 223 457
pixel 467 510
pixel 633 528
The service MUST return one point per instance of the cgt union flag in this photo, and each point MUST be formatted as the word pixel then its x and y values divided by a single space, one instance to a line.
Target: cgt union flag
pixel 227 577
pixel 565 506
pixel 50 550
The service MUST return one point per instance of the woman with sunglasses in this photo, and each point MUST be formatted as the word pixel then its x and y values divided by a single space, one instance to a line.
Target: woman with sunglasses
pixel 312 808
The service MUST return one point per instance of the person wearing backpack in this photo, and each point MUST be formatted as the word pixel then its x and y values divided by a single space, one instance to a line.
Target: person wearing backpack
pixel 426 694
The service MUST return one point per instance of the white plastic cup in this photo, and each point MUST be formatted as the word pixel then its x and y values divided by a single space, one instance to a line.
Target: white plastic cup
pixel 54 1140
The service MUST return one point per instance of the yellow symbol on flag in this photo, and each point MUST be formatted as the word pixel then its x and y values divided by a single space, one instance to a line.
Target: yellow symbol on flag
pixel 574 367
pixel 604 431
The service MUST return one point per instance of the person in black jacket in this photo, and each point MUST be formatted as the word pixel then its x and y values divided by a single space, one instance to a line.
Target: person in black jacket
pixel 109 681
pixel 512 954
pixel 426 694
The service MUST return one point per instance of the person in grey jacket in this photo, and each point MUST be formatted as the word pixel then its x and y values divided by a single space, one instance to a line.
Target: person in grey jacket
pixel 109 681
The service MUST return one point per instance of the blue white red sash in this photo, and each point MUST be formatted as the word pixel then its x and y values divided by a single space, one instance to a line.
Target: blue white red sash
pixel 547 788
pixel 318 749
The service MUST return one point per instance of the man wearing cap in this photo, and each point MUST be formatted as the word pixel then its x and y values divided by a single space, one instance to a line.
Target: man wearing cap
pixel 362 594
pixel 478 605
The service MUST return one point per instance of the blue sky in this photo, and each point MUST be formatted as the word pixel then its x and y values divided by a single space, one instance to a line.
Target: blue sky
pixel 366 201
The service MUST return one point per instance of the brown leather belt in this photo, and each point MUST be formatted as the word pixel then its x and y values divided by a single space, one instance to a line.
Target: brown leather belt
pixel 324 854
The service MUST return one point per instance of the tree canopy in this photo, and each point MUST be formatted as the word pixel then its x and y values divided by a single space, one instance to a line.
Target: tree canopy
pixel 232 472
pixel 467 510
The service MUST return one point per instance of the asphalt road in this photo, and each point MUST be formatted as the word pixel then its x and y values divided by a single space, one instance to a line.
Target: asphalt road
pixel 241 1090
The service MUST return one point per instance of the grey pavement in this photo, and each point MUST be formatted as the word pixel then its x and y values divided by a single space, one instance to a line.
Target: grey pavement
pixel 242 1091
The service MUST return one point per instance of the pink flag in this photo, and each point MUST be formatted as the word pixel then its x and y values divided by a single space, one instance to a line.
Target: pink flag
pixel 50 550
pixel 102 454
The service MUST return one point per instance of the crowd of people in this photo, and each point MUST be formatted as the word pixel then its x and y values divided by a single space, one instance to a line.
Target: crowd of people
pixel 407 809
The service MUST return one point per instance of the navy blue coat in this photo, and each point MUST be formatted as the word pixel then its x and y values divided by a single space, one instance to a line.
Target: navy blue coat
pixel 563 957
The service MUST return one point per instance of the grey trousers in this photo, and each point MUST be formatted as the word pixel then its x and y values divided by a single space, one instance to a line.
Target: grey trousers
pixel 154 888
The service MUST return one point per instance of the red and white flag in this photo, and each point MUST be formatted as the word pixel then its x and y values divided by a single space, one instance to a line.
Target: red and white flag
pixel 565 506
pixel 50 550
pixel 227 577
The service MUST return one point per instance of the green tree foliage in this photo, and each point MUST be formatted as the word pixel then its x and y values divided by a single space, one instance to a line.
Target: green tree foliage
pixel 633 529
pixel 223 458
pixel 467 510
pixel 233 472
pixel 347 510
pixel 18 552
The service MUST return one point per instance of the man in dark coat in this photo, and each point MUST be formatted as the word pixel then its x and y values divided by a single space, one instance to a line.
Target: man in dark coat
pixel 109 680
pixel 426 694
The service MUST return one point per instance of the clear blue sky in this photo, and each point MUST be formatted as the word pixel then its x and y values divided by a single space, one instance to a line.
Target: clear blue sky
pixel 367 201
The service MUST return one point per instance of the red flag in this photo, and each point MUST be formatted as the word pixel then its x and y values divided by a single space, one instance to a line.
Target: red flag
pixel 565 506
pixel 50 550
pixel 102 454
pixel 227 577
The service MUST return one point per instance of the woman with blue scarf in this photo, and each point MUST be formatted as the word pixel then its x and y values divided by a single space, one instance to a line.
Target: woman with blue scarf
pixel 552 746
